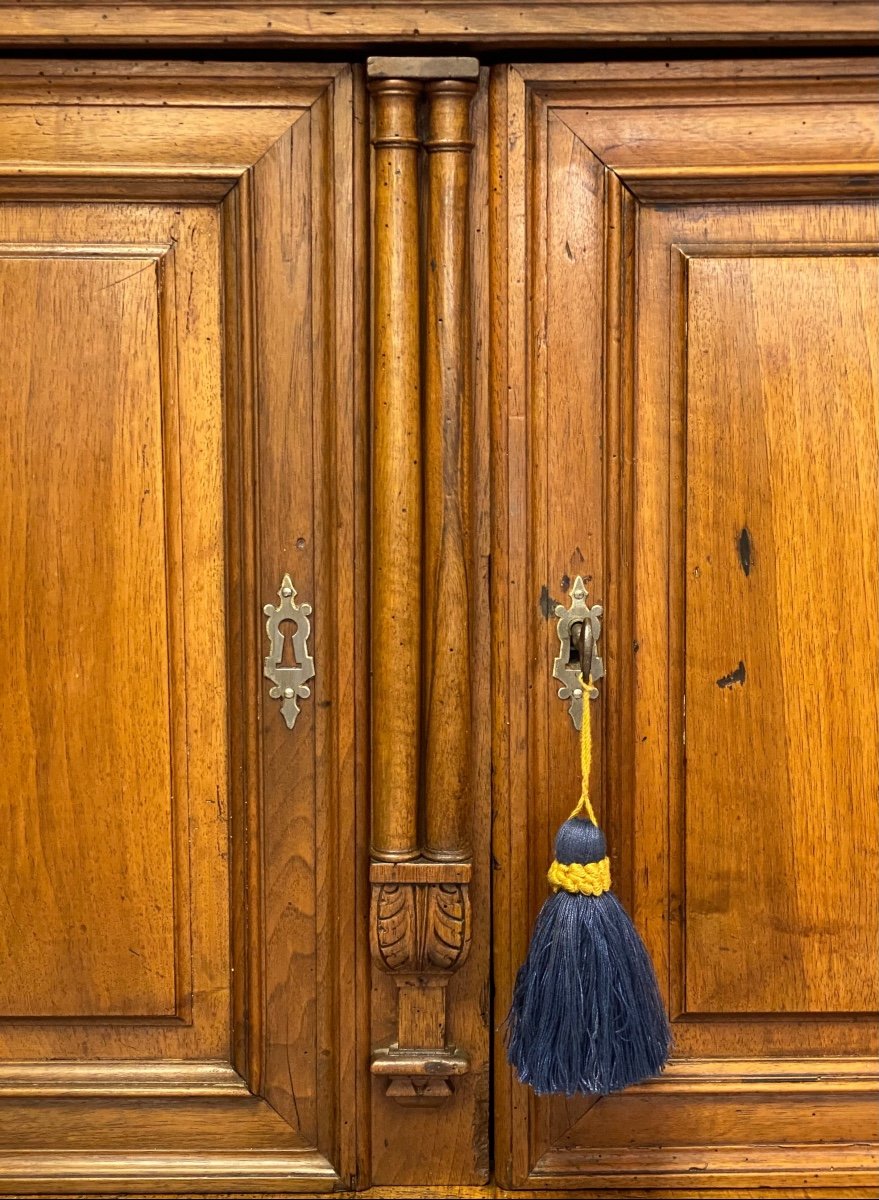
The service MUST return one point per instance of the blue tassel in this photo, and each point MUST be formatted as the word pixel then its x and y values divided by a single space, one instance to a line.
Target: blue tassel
pixel 586 1014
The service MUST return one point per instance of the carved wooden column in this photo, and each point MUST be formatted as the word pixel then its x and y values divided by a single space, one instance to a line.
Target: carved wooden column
pixel 396 473
pixel 420 874
pixel 447 433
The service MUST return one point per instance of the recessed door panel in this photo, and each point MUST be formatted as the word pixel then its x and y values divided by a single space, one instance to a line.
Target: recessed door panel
pixel 780 629
pixel 92 651
pixel 112 424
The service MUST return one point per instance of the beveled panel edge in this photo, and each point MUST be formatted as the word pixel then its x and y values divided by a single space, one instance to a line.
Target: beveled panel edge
pixel 114 1173
pixel 777 249
pixel 112 182
pixel 147 252
pixel 577 93
pixel 566 81
pixel 220 93
pixel 336 173
pixel 175 572
pixel 827 181
pixel 120 1078
pixel 761 1075
pixel 779 1172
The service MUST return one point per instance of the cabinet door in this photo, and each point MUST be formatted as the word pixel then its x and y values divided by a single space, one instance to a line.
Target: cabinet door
pixel 178 321
pixel 686 415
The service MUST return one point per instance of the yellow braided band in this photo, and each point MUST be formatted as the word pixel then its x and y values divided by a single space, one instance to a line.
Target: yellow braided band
pixel 590 879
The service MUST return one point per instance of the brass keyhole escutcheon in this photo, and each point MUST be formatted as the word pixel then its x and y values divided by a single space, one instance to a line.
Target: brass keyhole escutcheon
pixel 290 681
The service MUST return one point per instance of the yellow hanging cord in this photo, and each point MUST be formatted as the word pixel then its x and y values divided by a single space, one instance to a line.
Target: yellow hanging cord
pixel 584 805
pixel 590 879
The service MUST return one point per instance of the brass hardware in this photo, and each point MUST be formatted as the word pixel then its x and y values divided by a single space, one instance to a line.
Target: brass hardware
pixel 290 682
pixel 579 629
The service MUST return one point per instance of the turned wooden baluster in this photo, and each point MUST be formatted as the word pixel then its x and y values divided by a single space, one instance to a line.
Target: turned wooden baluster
pixel 447 433
pixel 396 482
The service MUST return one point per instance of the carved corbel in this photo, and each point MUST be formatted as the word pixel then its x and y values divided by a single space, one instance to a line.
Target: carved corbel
pixel 420 934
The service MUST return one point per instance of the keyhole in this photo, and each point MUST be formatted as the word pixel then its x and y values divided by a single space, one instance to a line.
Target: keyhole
pixel 288 653
pixel 574 655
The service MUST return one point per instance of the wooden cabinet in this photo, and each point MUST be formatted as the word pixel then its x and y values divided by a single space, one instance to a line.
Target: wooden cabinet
pixel 431 348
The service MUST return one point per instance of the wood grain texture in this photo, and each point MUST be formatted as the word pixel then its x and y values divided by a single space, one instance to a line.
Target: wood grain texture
pixel 776 233
pixel 421 67
pixel 489 23
pixel 574 159
pixel 396 474
pixel 234 1146
pixel 448 433
pixel 781 531
pixel 78 444
pixel 241 188
pixel 296 341
pixel 124 447
pixel 420 933
pixel 250 338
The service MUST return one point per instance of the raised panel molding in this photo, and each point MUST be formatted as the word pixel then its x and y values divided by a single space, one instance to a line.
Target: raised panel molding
pixel 237 189
pixel 130 1078
pixel 121 432
pixel 596 189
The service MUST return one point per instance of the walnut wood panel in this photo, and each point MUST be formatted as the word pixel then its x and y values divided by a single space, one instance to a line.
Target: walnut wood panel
pixel 782 394
pixel 100 415
pixel 492 23
pixel 68 440
pixel 778 236
pixel 183 419
pixel 602 212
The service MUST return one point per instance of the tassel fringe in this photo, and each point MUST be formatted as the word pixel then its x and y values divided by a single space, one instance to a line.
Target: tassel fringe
pixel 586 1014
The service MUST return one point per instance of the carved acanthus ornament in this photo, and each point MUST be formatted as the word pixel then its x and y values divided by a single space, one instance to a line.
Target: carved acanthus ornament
pixel 420 934
pixel 421 927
